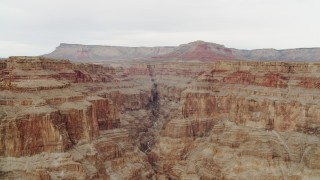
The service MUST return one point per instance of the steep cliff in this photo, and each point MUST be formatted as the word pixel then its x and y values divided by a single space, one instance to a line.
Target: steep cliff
pixel 243 120
pixel 60 120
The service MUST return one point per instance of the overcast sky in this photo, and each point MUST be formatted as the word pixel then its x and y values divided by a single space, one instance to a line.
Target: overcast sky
pixel 35 27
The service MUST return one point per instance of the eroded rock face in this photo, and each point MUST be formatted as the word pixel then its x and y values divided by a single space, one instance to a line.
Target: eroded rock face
pixel 243 120
pixel 66 116
pixel 159 120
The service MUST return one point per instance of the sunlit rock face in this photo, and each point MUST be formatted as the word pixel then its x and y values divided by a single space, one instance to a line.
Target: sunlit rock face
pixel 159 120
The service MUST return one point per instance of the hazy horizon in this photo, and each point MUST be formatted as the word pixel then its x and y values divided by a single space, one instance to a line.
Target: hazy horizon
pixel 37 27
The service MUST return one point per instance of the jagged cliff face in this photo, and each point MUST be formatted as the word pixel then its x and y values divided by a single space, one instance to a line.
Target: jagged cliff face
pixel 159 120
pixel 193 51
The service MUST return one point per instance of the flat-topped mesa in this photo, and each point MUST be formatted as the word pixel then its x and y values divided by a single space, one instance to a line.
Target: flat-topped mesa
pixel 197 50
pixel 79 52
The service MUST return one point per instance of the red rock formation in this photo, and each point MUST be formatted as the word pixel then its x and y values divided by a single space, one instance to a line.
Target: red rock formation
pixel 34 133
pixel 107 114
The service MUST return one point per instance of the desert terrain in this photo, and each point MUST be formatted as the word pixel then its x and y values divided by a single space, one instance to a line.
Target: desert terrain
pixel 196 111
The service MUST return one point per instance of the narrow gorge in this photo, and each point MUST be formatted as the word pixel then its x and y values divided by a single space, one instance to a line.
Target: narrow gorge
pixel 159 119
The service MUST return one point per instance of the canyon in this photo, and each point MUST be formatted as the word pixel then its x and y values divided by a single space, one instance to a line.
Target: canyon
pixel 186 113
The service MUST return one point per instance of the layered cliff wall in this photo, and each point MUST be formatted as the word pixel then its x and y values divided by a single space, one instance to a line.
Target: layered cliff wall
pixel 67 116
pixel 243 120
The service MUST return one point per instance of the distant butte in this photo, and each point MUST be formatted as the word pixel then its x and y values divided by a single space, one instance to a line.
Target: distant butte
pixel 198 51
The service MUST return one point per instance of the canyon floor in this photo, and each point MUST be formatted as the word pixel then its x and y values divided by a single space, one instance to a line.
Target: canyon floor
pixel 156 119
